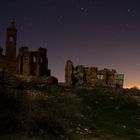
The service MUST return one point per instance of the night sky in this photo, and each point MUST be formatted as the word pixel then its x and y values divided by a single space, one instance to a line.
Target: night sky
pixel 100 33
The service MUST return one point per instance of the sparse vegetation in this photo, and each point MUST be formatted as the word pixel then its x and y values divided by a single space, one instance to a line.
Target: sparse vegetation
pixel 70 114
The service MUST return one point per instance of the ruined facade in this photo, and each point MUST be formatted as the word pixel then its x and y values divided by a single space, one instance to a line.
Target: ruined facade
pixel 32 63
pixel 91 76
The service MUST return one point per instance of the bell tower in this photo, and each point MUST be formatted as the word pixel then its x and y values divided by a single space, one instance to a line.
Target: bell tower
pixel 11 38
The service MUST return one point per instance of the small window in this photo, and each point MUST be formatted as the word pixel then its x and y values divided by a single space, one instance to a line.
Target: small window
pixel 11 39
pixel 100 76
pixel 34 59
pixel 26 59
pixel 41 61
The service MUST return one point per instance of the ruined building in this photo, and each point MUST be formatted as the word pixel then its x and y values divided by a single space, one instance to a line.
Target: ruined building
pixel 35 64
pixel 25 64
pixel 32 63
pixel 91 76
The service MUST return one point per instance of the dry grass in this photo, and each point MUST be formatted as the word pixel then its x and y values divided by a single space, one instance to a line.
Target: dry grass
pixel 69 114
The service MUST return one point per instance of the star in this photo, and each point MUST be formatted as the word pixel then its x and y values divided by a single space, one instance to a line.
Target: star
pixel 91 2
pixel 128 10
pixel 82 8
pixel 127 25
pixel 61 17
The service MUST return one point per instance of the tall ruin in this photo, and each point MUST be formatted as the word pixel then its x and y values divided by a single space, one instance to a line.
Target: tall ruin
pixel 68 72
pixel 8 60
pixel 91 76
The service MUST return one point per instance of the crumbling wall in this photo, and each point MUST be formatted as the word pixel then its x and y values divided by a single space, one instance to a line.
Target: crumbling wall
pixel 7 71
pixel 79 75
pixel 91 76
pixel 8 64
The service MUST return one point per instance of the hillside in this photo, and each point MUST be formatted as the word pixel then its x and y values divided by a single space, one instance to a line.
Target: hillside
pixel 70 114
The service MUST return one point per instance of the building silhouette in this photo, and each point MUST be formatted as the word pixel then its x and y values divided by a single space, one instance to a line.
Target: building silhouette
pixel 92 76
pixel 26 63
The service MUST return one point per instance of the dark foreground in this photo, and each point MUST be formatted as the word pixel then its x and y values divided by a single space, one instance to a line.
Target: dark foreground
pixel 69 114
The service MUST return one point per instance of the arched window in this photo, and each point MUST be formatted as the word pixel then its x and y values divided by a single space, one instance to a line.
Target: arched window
pixel 100 76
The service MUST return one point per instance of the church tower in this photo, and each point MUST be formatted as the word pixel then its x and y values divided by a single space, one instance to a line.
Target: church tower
pixel 11 38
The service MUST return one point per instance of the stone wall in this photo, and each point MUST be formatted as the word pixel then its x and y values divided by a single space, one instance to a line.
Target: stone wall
pixel 7 71
pixel 91 76
pixel 33 63
pixel 27 63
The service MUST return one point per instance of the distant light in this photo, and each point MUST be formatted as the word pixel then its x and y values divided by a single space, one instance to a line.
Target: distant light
pixel 82 8
pixel 61 17
pixel 131 86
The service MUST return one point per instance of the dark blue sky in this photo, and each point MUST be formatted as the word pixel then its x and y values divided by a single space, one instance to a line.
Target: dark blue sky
pixel 101 33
